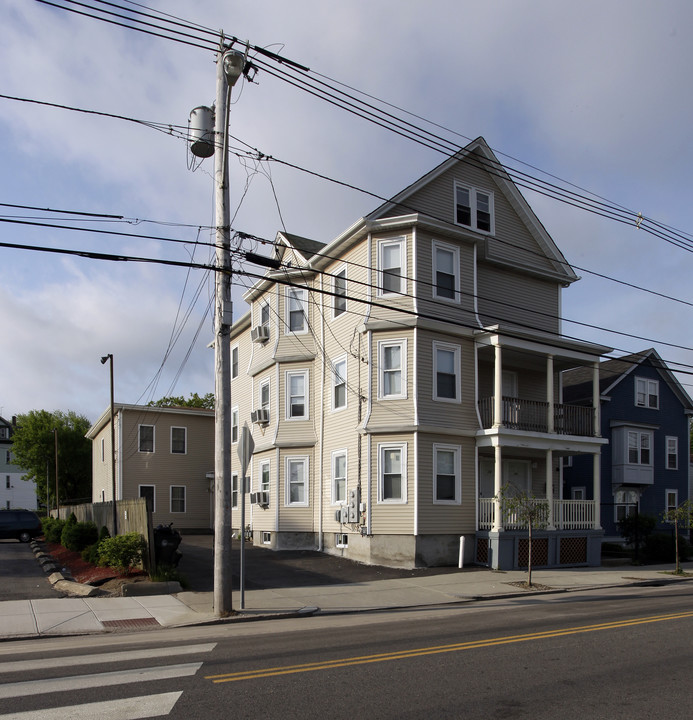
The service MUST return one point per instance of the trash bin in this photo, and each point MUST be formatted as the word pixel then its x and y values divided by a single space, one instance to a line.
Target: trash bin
pixel 166 542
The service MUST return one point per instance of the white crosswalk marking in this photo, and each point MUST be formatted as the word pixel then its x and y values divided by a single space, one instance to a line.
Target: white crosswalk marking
pixel 135 708
pixel 129 708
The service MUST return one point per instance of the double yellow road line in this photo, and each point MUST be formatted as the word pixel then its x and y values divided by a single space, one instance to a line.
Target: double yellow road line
pixel 436 649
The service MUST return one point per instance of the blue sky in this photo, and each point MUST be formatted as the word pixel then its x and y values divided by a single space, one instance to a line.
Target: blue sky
pixel 596 93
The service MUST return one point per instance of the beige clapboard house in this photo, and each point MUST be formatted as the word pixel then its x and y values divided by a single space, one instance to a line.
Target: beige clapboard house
pixel 396 378
pixel 165 454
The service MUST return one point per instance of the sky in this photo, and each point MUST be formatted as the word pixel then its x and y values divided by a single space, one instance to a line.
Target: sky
pixel 596 93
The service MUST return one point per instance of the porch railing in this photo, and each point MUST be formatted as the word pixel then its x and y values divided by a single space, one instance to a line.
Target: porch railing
pixel 533 416
pixel 567 515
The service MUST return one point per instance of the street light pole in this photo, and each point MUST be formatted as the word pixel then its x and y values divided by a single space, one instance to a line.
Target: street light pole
pixel 104 359
pixel 229 67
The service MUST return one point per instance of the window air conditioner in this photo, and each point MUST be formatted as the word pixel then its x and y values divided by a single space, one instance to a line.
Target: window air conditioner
pixel 261 416
pixel 263 498
pixel 260 334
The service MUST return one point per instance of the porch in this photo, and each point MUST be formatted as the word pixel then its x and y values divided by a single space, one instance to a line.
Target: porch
pixel 537 416
pixel 563 515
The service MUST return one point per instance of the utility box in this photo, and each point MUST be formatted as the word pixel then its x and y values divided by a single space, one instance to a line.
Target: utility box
pixel 354 501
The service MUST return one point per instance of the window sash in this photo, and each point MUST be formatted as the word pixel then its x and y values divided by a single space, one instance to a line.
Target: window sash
pixel 646 393
pixel 297 481
pixel 177 498
pixel 672 453
pixel 339 303
pixel 234 362
pixel 297 310
pixel 339 397
pixel 339 477
pixel 391 264
pixel 234 425
pixel 392 361
pixel 296 396
pixel 178 440
pixel 234 490
pixel 264 476
pixel 392 474
pixel 146 438
pixel 446 463
pixel 639 446
pixel 265 315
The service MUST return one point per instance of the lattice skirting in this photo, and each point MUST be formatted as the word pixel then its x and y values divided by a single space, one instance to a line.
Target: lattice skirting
pixel 482 551
pixel 540 552
pixel 573 550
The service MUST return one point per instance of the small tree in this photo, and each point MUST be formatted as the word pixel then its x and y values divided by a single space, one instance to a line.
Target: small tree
pixel 527 510
pixel 681 516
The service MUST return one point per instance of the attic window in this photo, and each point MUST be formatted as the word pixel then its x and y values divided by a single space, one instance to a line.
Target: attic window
pixel 474 209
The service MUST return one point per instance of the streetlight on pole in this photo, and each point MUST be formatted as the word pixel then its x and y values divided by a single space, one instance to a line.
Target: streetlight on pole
pixel 230 65
pixel 104 360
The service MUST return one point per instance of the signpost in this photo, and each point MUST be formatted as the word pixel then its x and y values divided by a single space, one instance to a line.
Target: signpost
pixel 246 446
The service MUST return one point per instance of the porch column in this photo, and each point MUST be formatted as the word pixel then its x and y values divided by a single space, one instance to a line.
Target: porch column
pixel 549 488
pixel 596 414
pixel 549 394
pixel 497 388
pixel 497 486
pixel 597 479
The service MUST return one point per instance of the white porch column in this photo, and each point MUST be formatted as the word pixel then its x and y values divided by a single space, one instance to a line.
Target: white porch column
pixel 497 486
pixel 549 394
pixel 497 388
pixel 549 488
pixel 596 414
pixel 597 479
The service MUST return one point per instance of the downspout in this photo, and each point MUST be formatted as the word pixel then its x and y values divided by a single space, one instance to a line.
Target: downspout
pixel 119 464
pixel 415 385
pixel 321 440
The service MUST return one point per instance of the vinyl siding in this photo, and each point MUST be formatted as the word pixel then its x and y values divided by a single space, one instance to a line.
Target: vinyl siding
pixel 392 518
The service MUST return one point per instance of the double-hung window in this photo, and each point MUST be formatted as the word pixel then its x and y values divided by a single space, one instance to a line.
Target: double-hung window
pixel 446 272
pixel 179 436
pixel 339 384
pixel 297 481
pixel 639 448
pixel 339 299
pixel 297 395
pixel 234 490
pixel 672 501
pixel 446 372
pixel 339 476
pixel 234 424
pixel 392 473
pixel 392 369
pixel 296 306
pixel 391 267
pixel 446 474
pixel 265 476
pixel 146 438
pixel 672 450
pixel 265 396
pixel 265 316
pixel 646 393
pixel 234 361
pixel 625 504
pixel 177 498
pixel 474 208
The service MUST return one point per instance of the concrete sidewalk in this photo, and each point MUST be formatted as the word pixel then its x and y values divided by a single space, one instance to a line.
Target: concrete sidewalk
pixel 85 615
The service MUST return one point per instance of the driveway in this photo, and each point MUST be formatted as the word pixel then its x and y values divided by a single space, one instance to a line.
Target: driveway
pixel 21 577
pixel 266 568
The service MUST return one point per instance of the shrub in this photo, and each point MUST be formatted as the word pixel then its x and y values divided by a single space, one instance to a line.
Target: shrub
pixel 90 554
pixel 636 526
pixel 123 552
pixel 53 529
pixel 103 533
pixel 76 536
pixel 659 548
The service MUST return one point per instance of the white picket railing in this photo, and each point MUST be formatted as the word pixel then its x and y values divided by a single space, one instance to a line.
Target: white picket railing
pixel 567 515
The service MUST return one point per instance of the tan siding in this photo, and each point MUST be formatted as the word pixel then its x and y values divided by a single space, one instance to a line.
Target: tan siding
pixel 507 297
pixel 392 518
pixel 293 518
pixel 386 308
pixel 387 412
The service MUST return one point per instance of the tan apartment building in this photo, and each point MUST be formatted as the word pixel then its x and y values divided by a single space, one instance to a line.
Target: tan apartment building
pixel 165 454
pixel 397 377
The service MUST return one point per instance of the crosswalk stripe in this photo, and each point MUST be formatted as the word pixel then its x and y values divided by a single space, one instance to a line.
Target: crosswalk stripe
pixel 121 656
pixel 135 708
pixel 79 682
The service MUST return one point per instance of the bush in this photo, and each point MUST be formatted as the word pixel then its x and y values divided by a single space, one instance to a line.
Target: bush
pixel 53 529
pixel 90 554
pixel 123 552
pixel 76 535
pixel 636 525
pixel 103 533
pixel 659 548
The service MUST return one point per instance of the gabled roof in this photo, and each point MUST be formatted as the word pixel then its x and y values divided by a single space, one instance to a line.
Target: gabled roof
pixel 507 187
pixel 304 247
pixel 614 371
pixel 105 418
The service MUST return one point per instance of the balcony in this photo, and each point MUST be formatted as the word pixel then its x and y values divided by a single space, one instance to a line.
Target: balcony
pixel 567 515
pixel 533 416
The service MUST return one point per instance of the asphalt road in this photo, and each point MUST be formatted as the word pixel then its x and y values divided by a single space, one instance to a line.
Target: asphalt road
pixel 619 654
pixel 21 577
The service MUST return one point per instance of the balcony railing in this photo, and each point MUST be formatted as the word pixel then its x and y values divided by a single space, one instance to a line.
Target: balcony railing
pixel 567 515
pixel 533 416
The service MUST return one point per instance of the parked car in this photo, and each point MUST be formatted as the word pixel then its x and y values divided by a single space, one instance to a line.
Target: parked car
pixel 21 524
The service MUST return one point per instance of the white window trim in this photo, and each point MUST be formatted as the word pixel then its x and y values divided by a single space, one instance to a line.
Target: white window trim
pixel 435 246
pixel 340 273
pixel 382 244
pixel 581 490
pixel 103 451
pixel 304 308
pixel 261 465
pixel 335 363
pixel 185 499
pixel 458 370
pixel 473 207
pixel 265 304
pixel 287 391
pixel 647 382
pixel 457 450
pixel 266 384
pixel 666 498
pixel 139 438
pixel 639 433
pixel 382 344
pixel 382 447
pixel 675 441
pixel 335 455
pixel 185 439
pixel 153 487
pixel 287 484
pixel 235 349
pixel 234 478
pixel 235 422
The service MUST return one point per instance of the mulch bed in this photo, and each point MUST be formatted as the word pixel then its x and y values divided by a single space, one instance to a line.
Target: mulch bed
pixel 84 572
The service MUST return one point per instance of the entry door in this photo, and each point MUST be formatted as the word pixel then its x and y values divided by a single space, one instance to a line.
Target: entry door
pixel 517 476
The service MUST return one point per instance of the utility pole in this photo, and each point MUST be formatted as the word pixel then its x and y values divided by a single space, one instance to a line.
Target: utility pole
pixel 229 68
pixel 55 448
pixel 105 359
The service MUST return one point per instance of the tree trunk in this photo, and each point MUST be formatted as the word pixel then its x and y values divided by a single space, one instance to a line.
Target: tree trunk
pixel 529 556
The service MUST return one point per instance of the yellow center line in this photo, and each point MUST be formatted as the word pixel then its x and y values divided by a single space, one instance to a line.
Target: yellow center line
pixel 436 649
